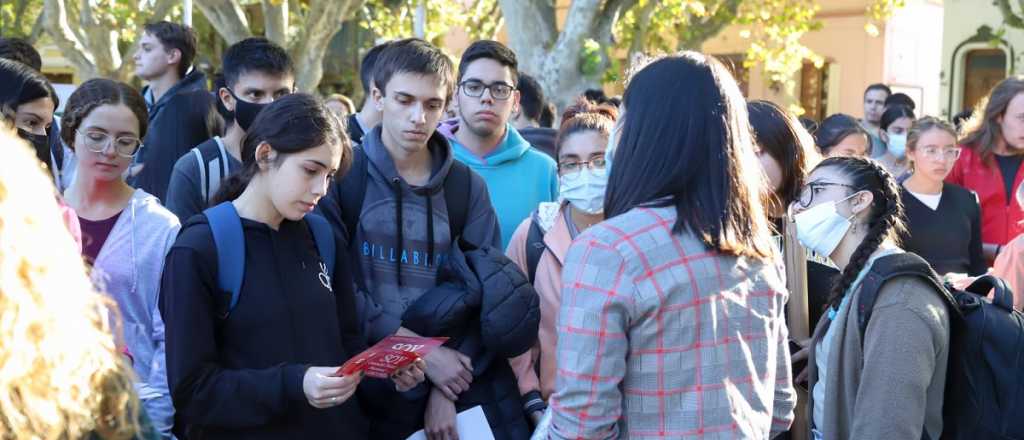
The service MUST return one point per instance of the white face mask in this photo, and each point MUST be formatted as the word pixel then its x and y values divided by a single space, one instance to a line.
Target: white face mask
pixel 821 228
pixel 585 190
pixel 609 150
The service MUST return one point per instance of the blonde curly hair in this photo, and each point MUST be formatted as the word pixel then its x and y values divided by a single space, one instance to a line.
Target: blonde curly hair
pixel 61 376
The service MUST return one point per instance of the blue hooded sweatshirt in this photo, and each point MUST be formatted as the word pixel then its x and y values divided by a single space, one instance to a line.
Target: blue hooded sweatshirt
pixel 518 176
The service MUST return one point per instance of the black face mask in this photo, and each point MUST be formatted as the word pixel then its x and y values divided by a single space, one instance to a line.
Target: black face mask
pixel 40 143
pixel 245 111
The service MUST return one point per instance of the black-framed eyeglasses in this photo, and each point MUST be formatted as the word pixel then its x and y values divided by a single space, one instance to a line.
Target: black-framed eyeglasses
pixel 809 190
pixel 98 141
pixel 475 89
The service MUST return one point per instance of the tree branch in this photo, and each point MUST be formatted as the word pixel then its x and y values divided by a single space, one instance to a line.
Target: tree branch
pixel 227 18
pixel 323 20
pixel 611 13
pixel 38 28
pixel 100 38
pixel 1009 17
pixel 708 27
pixel 531 30
pixel 72 48
pixel 275 21
pixel 643 24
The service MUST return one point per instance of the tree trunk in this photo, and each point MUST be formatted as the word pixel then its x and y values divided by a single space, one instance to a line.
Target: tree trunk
pixel 275 21
pixel 227 18
pixel 59 28
pixel 322 21
pixel 554 57
pixel 710 26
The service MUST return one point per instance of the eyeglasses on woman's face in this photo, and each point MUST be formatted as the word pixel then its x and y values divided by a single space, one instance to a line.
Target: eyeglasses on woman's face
pixel 98 142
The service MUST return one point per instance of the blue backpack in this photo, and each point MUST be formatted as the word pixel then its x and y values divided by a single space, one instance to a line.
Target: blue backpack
pixel 229 240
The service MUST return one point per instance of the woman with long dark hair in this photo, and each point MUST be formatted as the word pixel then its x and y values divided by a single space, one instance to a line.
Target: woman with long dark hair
pixel 890 382
pixel 264 363
pixel 27 103
pixel 786 152
pixel 681 280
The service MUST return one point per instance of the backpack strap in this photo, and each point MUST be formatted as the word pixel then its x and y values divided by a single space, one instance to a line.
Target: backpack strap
pixel 456 196
pixel 892 266
pixel 228 238
pixel 323 235
pixel 353 190
pixel 535 248
pixel 204 180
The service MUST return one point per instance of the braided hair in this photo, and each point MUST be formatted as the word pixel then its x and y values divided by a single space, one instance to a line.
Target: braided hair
pixel 885 215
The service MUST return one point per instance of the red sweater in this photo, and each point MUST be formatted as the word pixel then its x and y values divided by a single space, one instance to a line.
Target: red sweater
pixel 1000 218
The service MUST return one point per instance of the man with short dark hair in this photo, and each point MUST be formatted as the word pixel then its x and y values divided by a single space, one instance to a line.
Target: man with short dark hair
pixel 256 72
pixel 527 119
pixel 368 116
pixel 17 49
pixel 874 105
pixel 403 209
pixel 900 99
pixel 518 176
pixel 179 103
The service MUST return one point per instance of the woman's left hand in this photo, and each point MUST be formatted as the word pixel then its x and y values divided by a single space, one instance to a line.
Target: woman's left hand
pixel 409 376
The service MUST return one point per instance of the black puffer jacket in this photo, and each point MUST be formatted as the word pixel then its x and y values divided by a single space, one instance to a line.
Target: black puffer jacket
pixel 490 312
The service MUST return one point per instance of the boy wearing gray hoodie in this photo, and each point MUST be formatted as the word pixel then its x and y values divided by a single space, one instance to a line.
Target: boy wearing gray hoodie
pixel 403 234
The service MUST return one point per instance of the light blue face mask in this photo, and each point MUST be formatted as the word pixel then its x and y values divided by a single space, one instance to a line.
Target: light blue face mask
pixel 897 145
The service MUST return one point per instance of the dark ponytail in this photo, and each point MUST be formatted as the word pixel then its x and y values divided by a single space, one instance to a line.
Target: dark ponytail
pixel 885 215
pixel 291 124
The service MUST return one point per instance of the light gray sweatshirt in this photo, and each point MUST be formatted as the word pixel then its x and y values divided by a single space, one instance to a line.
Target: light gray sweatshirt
pixel 128 268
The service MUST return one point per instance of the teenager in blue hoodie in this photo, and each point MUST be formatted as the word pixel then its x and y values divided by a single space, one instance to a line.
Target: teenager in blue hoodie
pixel 519 177
pixel 267 368
pixel 403 231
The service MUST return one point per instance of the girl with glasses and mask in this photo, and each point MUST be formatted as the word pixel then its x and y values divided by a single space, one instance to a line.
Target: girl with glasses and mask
pixel 890 383
pixel 895 124
pixel 943 219
pixel 125 232
pixel 546 235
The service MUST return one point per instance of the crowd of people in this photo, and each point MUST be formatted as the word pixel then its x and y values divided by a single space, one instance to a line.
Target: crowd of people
pixel 610 270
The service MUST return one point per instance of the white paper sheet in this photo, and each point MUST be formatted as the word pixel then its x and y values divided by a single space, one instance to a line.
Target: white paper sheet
pixel 471 423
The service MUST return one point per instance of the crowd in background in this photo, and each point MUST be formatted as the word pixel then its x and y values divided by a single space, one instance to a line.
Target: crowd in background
pixel 612 269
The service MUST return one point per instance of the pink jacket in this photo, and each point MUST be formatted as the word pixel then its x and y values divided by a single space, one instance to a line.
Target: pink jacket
pixel 1009 266
pixel 548 284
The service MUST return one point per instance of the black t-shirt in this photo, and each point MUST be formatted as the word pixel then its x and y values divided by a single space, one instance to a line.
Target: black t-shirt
pixel 1008 166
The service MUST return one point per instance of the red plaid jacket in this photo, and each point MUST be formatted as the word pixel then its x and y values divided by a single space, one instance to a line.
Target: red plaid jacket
pixel 661 337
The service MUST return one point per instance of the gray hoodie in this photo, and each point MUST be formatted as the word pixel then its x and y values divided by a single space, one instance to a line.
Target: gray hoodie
pixel 396 265
pixel 128 268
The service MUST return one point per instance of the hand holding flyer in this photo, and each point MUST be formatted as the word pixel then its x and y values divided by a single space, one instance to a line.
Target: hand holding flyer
pixel 389 355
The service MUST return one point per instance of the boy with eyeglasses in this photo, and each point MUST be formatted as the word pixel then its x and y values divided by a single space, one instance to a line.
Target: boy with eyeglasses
pixel 519 177
pixel 256 72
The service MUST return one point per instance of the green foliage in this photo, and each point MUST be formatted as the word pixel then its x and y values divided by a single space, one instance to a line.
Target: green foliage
pixel 774 28
pixel 878 11
pixel 389 19
pixel 590 59
pixel 18 16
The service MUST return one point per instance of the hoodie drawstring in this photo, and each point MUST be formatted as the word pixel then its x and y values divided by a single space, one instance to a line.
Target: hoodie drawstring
pixel 398 217
pixel 430 230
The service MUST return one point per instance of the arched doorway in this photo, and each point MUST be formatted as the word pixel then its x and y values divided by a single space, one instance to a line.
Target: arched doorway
pixel 983 69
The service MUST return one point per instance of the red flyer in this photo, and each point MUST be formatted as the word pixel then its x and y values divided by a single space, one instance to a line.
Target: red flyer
pixel 390 354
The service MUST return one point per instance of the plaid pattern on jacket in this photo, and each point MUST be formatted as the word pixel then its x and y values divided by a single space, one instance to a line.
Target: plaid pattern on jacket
pixel 662 337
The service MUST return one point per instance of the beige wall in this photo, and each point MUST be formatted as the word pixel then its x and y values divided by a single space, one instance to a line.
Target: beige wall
pixel 961 21
pixel 905 53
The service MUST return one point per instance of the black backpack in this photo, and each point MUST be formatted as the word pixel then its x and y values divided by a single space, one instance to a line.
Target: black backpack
pixel 984 397
pixel 535 247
